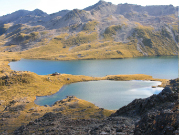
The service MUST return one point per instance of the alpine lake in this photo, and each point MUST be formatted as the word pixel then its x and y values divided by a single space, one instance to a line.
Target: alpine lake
pixel 106 94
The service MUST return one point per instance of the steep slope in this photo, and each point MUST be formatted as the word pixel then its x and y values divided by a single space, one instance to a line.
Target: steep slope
pixel 74 17
pixel 103 30
pixel 101 9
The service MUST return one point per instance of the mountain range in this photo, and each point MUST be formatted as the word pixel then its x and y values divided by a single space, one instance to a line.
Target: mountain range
pixel 103 30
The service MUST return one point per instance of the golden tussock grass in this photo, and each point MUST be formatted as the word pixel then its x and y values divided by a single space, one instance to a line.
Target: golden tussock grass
pixel 23 87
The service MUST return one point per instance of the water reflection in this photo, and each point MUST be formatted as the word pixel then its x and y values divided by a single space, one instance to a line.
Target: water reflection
pixel 106 94
pixel 158 67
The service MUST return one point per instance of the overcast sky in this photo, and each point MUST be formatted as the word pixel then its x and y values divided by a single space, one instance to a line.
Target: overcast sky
pixel 52 6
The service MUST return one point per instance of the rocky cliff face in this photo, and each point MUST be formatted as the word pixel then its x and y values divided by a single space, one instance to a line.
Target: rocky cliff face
pixel 156 115
pixel 138 107
pixel 163 121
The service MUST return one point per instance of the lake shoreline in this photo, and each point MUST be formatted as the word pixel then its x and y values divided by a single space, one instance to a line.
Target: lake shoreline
pixel 77 59
pixel 100 68
pixel 88 90
pixel 22 87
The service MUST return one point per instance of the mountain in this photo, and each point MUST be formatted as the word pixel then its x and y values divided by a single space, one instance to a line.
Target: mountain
pixel 18 15
pixel 70 18
pixel 113 31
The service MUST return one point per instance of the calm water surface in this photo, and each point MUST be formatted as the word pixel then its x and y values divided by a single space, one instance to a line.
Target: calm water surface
pixel 158 67
pixel 106 94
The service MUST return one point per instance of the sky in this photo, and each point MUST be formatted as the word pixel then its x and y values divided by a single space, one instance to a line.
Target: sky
pixel 52 6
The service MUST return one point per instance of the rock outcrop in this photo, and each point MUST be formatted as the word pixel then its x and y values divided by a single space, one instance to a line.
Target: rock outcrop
pixel 164 122
pixel 52 123
pixel 139 107
pixel 156 115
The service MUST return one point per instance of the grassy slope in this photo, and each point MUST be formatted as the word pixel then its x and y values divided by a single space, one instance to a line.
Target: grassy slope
pixel 110 31
pixel 87 45
pixel 156 42
pixel 25 86
pixel 61 49
pixel 19 90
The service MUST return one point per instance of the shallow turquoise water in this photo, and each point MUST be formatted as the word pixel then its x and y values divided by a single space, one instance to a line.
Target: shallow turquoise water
pixel 106 94
pixel 158 67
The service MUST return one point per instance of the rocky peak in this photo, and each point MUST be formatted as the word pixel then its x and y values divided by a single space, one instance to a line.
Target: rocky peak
pixel 160 10
pixel 77 14
pixel 38 12
pixel 153 10
pixel 60 13
pixel 13 16
pixel 73 13
pixel 101 3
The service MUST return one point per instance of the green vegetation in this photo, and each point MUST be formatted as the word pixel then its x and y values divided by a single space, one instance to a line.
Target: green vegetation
pixel 156 42
pixel 81 109
pixel 165 33
pixel 145 33
pixel 88 44
pixel 18 90
pixel 136 77
pixel 80 38
pixel 90 26
pixel 75 26
pixel 131 14
pixel 25 38
pixel 175 28
pixel 21 32
pixel 14 30
pixel 4 28
pixel 27 29
pixel 110 31
pixel 176 32
pixel 84 45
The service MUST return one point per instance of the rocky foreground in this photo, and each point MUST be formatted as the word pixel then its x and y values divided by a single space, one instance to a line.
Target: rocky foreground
pixel 156 115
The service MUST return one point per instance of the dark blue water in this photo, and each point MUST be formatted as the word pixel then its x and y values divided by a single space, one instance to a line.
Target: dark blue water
pixel 110 95
pixel 159 67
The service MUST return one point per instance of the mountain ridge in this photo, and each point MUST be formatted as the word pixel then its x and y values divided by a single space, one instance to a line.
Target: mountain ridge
pixel 140 26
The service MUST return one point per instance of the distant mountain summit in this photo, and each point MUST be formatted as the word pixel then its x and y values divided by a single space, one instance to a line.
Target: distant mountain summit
pixel 151 30
pixel 97 10
pixel 15 16
pixel 38 12
pixel 97 5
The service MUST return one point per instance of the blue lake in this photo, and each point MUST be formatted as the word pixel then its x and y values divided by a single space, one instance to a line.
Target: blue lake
pixel 165 67
pixel 106 94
